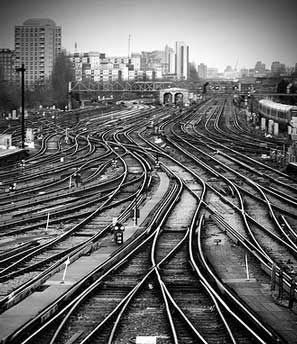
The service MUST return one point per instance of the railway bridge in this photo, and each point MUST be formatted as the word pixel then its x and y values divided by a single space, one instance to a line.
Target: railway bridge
pixel 175 90
pixel 170 91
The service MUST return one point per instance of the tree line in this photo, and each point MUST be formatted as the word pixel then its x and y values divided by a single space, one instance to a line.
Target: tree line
pixel 52 91
pixel 286 86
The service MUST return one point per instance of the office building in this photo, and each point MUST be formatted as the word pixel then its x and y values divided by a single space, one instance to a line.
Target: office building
pixel 37 43
pixel 169 64
pixel 182 60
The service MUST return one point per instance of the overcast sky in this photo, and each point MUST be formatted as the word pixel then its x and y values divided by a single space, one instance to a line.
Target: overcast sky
pixel 218 32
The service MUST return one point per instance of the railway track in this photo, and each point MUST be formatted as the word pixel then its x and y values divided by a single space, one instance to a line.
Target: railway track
pixel 125 303
pixel 153 278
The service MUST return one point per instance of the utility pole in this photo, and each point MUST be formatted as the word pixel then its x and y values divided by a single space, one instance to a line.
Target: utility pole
pixel 22 70
pixel 69 96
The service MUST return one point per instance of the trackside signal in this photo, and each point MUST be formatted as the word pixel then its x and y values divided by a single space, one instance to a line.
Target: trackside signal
pixel 118 229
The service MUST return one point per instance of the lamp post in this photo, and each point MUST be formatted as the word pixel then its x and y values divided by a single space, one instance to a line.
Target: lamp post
pixel 22 70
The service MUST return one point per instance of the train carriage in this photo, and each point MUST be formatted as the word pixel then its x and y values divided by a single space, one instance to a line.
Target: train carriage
pixel 281 113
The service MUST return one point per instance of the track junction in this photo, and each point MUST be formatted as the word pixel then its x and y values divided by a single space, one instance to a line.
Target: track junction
pixel 209 252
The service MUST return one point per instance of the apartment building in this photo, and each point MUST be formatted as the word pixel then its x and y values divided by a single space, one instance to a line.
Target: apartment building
pixel 37 43
pixel 7 65
pixel 98 67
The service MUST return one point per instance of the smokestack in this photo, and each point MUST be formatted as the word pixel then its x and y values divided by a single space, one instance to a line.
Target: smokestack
pixel 129 46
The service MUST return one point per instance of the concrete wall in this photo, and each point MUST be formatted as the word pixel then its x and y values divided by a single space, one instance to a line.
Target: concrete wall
pixel 263 123
pixel 5 140
pixel 270 126
pixel 275 129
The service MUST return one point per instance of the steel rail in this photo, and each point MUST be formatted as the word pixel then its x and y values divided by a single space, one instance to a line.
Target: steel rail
pixel 140 240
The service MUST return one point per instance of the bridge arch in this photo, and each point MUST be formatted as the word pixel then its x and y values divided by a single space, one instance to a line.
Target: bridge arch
pixel 167 98
pixel 174 96
pixel 178 98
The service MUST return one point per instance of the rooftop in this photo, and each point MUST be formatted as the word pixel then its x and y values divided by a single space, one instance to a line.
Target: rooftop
pixel 277 106
pixel 39 22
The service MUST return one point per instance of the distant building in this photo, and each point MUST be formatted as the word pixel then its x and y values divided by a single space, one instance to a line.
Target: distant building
pixel 95 66
pixel 212 73
pixel 182 60
pixel 169 60
pixel 98 67
pixel 289 70
pixel 136 61
pixel 230 73
pixel 260 67
pixel 37 43
pixel 277 68
pixel 244 73
pixel 147 65
pixel 7 65
pixel 153 60
pixel 202 71
pixel 94 59
pixel 283 69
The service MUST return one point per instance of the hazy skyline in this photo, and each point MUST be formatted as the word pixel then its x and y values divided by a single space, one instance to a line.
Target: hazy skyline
pixel 218 32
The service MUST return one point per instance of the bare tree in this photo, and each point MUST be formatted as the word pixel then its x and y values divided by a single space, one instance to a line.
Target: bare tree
pixel 61 75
